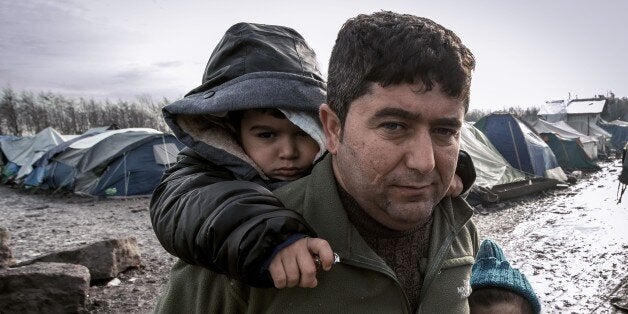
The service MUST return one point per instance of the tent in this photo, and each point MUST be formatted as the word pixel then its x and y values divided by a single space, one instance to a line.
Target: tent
pixel 520 146
pixel 125 162
pixel 5 138
pixel 25 151
pixel 618 130
pixel 35 178
pixel 491 168
pixel 568 152
pixel 586 144
pixel 590 128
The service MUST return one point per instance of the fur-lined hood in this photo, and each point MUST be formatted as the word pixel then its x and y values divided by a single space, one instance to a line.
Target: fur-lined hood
pixel 253 66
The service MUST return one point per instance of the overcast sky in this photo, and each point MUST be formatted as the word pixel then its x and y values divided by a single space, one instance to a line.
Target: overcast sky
pixel 527 52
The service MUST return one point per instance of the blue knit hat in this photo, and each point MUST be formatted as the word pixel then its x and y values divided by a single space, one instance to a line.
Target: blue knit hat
pixel 491 269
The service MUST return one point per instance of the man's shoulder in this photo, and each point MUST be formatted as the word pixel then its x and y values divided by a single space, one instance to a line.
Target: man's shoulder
pixel 318 181
pixel 293 192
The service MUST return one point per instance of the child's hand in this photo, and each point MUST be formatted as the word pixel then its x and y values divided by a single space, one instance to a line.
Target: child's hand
pixel 455 188
pixel 294 265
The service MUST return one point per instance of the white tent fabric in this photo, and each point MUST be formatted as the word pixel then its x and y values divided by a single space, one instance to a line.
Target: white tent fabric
pixel 93 140
pixel 491 168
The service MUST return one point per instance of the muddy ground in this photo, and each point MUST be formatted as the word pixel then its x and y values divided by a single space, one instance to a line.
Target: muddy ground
pixel 571 243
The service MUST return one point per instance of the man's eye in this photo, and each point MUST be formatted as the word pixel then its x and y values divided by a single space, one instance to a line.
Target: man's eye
pixel 391 126
pixel 446 131
pixel 266 135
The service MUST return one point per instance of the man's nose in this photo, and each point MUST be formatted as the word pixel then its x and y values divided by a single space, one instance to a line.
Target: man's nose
pixel 420 154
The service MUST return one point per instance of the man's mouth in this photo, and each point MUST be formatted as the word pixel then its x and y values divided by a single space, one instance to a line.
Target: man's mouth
pixel 411 189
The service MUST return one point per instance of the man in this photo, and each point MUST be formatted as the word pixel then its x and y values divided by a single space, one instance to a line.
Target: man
pixel 398 89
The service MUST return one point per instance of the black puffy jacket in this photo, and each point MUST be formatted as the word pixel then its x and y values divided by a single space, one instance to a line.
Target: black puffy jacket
pixel 214 207
pixel 206 217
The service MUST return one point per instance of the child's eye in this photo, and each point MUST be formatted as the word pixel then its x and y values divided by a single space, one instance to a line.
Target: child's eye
pixel 266 134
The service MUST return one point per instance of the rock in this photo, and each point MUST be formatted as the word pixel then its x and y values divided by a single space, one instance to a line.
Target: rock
pixel 44 288
pixel 104 259
pixel 6 257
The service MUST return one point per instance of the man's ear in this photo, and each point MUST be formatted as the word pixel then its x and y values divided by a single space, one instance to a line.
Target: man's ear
pixel 331 126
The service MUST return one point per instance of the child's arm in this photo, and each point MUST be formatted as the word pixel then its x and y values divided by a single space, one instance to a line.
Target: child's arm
pixel 205 217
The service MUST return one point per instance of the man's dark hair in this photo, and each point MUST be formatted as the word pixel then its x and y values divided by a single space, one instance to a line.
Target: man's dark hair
pixel 390 48
pixel 486 297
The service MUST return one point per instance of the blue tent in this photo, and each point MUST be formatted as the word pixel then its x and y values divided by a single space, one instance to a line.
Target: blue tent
pixel 618 130
pixel 127 162
pixel 520 146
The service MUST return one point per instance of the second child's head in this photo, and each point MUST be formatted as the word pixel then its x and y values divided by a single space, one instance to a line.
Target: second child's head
pixel 280 148
pixel 498 287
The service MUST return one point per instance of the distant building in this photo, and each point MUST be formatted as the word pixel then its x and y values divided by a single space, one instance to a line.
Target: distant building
pixel 580 114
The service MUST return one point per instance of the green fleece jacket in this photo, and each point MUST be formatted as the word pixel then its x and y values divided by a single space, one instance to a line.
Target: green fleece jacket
pixel 360 283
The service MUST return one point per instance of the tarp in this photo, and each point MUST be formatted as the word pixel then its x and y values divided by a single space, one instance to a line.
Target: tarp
pixel 520 146
pixel 553 110
pixel 125 162
pixel 618 130
pixel 491 168
pixel 592 129
pixel 563 130
pixel 5 138
pixel 25 151
pixel 36 177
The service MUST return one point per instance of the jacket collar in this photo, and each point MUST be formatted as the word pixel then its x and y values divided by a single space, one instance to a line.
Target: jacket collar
pixel 324 211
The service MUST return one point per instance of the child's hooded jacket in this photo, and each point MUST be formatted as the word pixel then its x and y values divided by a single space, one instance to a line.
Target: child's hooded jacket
pixel 214 207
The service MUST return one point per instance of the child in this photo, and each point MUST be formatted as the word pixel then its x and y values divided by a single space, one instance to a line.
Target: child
pixel 251 126
pixel 497 287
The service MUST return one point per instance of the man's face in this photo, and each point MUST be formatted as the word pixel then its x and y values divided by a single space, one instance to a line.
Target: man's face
pixel 397 152
pixel 280 148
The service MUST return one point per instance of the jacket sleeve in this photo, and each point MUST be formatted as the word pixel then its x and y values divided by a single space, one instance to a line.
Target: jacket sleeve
pixel 466 171
pixel 202 215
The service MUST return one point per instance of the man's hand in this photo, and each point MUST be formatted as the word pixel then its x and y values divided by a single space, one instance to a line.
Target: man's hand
pixel 294 265
pixel 455 188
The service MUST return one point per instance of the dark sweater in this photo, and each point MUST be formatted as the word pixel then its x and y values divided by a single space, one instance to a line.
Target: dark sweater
pixel 402 250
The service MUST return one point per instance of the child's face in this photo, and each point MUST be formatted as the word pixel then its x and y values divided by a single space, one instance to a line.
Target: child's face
pixel 280 148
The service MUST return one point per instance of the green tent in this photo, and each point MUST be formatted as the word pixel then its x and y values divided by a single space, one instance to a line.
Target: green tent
pixel 568 152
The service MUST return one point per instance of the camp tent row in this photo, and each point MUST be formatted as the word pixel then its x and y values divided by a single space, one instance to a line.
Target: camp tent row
pixel 521 146
pixel 504 149
pixel 573 150
pixel 111 163
pixel 584 115
pixel 510 159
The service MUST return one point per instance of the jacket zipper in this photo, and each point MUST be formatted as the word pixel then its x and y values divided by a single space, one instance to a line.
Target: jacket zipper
pixel 381 270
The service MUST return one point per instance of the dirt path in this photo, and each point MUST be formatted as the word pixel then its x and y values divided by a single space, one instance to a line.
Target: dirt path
pixel 41 223
pixel 572 244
